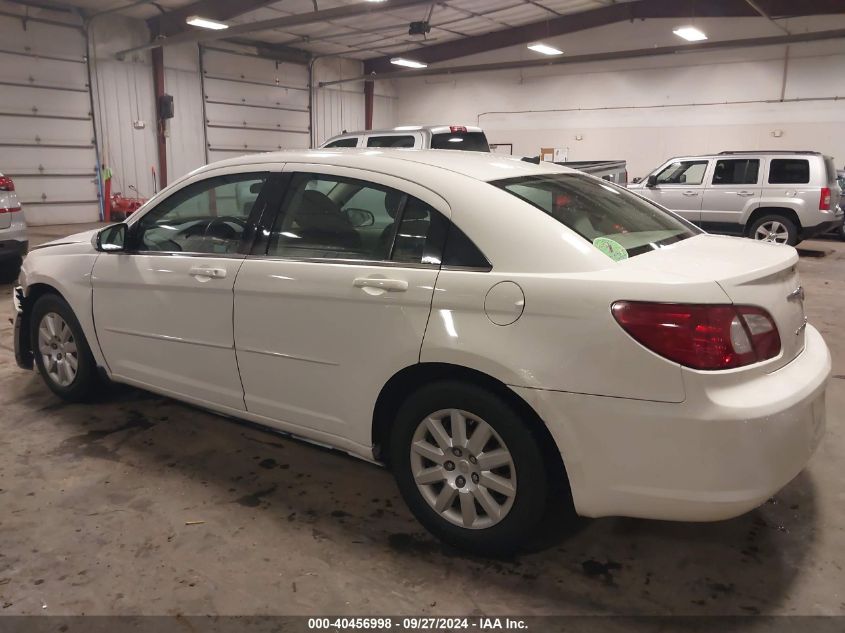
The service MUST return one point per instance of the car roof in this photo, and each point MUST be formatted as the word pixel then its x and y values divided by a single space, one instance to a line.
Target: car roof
pixel 434 129
pixel 741 154
pixel 483 166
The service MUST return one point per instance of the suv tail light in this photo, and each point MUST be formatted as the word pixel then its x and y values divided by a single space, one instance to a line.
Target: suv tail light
pixel 6 184
pixel 708 337
pixel 824 199
pixel 10 209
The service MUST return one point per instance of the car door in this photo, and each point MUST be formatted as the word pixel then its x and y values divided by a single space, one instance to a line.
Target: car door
pixel 163 308
pixel 680 187
pixel 732 193
pixel 325 316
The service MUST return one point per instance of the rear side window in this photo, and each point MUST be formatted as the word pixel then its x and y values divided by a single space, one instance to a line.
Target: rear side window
pixel 467 141
pixel 615 221
pixel 390 141
pixel 344 142
pixel 742 171
pixel 460 252
pixel 789 171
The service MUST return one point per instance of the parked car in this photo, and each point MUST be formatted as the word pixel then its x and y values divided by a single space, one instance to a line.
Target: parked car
pixel 502 335
pixel 840 177
pixel 13 236
pixel 459 137
pixel 780 196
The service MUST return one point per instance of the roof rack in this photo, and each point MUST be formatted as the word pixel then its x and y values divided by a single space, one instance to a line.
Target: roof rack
pixel 774 151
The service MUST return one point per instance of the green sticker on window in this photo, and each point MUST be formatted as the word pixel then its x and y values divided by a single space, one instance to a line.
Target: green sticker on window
pixel 611 248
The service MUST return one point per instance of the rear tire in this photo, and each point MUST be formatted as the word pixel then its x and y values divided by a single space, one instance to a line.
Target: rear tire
pixel 483 495
pixel 61 352
pixel 774 228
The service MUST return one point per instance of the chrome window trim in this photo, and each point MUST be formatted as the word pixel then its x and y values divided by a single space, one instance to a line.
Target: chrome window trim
pixel 182 254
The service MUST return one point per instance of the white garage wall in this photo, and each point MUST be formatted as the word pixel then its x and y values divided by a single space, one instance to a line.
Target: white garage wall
pixel 646 110
pixel 341 107
pixel 123 95
pixel 185 144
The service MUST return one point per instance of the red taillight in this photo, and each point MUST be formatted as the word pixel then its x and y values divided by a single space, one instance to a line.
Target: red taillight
pixel 6 184
pixel 9 209
pixel 701 336
pixel 455 129
pixel 824 199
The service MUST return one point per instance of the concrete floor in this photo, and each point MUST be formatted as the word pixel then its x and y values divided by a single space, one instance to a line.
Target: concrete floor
pixel 95 502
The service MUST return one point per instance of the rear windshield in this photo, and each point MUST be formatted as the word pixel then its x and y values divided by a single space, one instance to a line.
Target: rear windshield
pixel 467 141
pixel 617 222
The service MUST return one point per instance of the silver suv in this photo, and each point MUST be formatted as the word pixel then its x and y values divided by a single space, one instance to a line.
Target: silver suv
pixel 776 196
pixel 462 137
pixel 13 237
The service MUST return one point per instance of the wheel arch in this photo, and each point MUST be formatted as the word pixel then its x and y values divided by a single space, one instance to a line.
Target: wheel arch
pixel 411 378
pixel 758 213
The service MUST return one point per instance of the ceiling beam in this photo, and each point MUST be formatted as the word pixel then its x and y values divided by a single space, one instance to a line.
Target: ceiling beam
pixel 173 22
pixel 297 19
pixel 620 12
pixel 677 49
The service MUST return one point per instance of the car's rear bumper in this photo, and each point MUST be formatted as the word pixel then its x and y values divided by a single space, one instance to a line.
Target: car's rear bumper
pixel 13 249
pixel 834 224
pixel 714 456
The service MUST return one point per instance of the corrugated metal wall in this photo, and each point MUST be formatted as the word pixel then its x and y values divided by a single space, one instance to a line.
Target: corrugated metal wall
pixel 46 127
pixel 185 134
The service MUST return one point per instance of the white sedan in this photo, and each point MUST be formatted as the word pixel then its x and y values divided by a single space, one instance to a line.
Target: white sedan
pixel 502 335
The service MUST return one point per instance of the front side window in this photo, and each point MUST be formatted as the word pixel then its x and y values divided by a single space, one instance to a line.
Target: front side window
pixel 789 171
pixel 209 216
pixel 344 142
pixel 334 217
pixel 466 141
pixel 741 171
pixel 606 215
pixel 391 141
pixel 683 172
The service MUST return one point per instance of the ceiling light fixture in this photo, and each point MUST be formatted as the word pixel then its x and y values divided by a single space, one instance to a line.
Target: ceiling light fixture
pixel 407 63
pixel 545 49
pixel 690 33
pixel 205 23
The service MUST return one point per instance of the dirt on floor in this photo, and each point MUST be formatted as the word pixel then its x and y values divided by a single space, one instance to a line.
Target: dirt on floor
pixel 142 505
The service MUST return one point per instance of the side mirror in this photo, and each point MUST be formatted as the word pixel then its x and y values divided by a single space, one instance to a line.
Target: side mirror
pixel 359 218
pixel 652 181
pixel 112 239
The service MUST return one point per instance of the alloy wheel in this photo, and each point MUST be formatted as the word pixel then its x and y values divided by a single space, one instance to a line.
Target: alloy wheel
pixel 58 350
pixel 463 469
pixel 772 231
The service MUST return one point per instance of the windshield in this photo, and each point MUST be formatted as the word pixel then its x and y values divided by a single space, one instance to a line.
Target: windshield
pixel 467 141
pixel 617 222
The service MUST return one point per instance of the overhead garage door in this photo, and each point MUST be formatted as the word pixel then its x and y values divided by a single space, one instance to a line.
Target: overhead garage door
pixel 46 128
pixel 253 104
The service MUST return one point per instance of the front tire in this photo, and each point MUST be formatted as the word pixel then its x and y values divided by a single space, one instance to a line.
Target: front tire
pixel 469 467
pixel 61 352
pixel 774 228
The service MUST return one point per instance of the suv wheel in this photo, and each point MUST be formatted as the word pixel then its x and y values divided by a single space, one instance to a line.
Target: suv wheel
pixel 469 468
pixel 61 351
pixel 774 228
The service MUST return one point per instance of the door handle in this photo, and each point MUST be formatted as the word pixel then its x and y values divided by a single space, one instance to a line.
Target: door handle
pixel 212 273
pixel 391 285
pixel 690 193
pixel 745 194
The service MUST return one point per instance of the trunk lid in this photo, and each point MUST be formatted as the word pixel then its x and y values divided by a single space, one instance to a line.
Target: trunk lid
pixel 749 272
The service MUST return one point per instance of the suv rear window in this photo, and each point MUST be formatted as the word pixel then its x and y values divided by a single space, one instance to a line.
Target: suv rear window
pixel 739 171
pixel 467 141
pixel 390 141
pixel 617 222
pixel 789 171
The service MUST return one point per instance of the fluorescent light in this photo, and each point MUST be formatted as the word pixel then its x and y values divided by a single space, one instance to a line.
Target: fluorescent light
pixel 408 63
pixel 690 33
pixel 205 23
pixel 545 49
